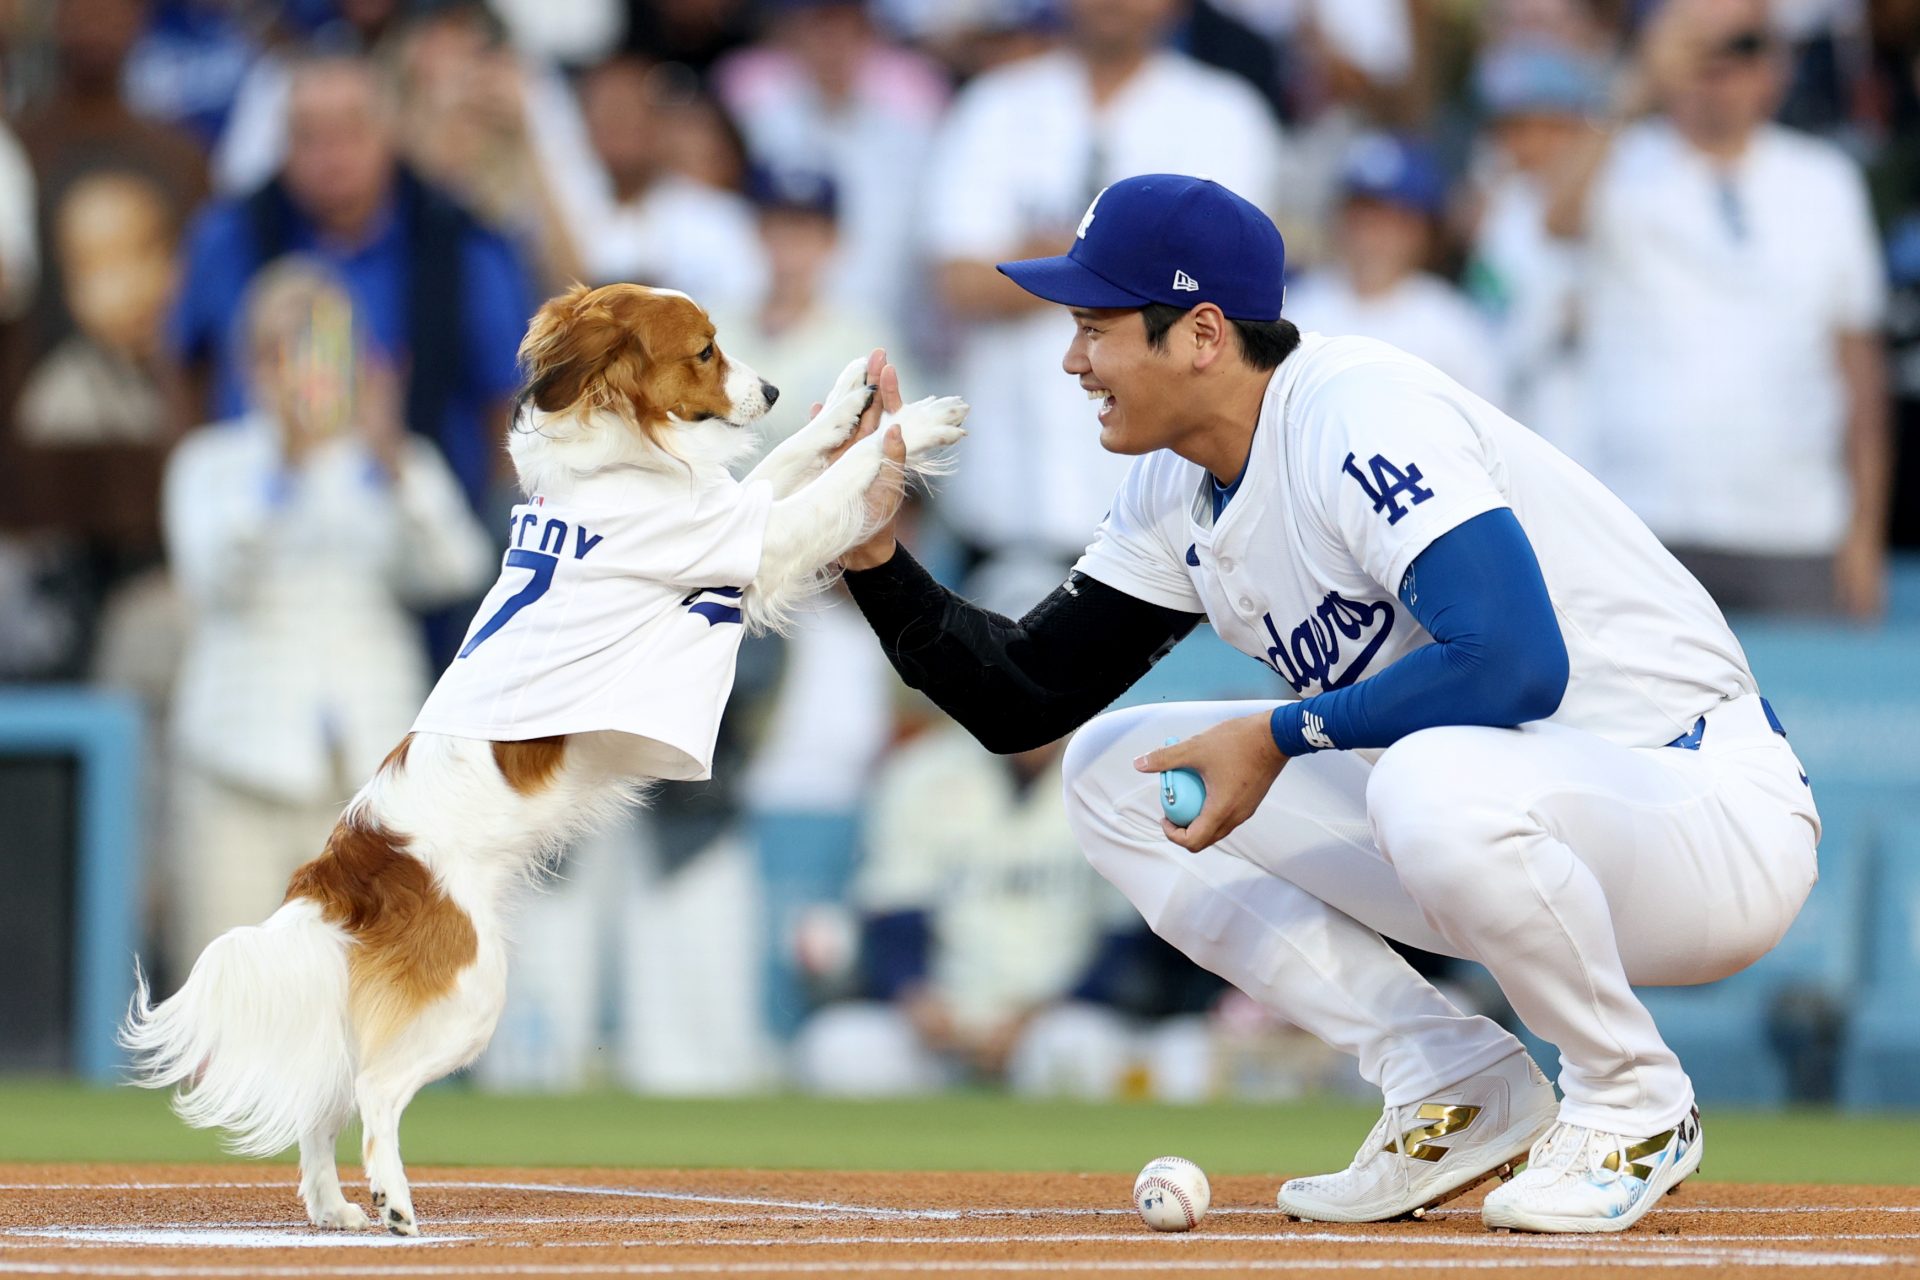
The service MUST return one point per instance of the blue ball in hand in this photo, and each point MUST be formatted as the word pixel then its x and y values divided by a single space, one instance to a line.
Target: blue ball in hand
pixel 1181 794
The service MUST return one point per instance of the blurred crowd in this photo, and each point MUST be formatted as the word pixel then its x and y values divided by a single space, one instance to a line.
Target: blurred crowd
pixel 264 268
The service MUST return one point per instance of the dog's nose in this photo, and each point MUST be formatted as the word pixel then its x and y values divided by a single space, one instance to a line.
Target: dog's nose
pixel 770 391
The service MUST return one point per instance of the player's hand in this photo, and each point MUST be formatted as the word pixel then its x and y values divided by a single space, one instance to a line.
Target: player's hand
pixel 883 497
pixel 1237 759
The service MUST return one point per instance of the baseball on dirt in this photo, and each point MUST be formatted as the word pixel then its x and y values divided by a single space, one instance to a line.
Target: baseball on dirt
pixel 1172 1194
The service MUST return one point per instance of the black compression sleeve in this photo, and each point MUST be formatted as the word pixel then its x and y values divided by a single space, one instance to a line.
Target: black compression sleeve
pixel 1015 685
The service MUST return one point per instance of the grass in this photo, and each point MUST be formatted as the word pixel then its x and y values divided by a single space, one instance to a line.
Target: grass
pixel 59 1121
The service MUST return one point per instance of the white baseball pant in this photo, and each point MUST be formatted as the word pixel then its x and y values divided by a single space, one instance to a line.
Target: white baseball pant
pixel 1567 865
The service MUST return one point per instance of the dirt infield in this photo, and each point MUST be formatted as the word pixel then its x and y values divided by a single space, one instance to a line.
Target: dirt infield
pixel 245 1221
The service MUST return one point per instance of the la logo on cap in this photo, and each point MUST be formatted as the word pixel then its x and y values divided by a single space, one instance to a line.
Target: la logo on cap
pixel 1185 283
pixel 1086 219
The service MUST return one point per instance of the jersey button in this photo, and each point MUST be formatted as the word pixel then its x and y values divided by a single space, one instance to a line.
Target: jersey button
pixel 1226 565
pixel 1246 604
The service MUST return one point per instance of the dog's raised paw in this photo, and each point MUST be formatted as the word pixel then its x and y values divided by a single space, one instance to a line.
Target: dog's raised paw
pixel 851 378
pixel 841 415
pixel 927 426
pixel 399 1220
pixel 948 411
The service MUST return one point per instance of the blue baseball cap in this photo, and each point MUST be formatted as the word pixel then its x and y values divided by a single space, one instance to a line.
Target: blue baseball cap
pixel 1168 238
pixel 1395 169
pixel 796 190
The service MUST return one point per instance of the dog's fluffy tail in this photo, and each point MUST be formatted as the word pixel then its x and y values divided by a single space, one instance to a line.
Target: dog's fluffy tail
pixel 259 1037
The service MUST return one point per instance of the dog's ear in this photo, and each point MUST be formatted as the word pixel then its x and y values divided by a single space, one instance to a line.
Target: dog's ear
pixel 572 346
pixel 626 380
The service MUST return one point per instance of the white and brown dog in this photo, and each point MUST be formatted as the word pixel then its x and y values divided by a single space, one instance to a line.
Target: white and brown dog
pixel 384 970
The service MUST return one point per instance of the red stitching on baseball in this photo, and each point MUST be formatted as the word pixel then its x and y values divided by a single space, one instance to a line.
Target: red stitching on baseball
pixel 1186 1205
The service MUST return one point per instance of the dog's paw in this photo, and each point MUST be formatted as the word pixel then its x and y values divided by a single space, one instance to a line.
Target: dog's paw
pixel 840 415
pixel 339 1217
pixel 851 379
pixel 927 426
pixel 399 1219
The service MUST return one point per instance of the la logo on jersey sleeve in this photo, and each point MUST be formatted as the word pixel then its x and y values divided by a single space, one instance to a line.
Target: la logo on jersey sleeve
pixel 1388 483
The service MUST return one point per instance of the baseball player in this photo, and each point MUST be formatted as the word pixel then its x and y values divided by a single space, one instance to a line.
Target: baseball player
pixel 1520 733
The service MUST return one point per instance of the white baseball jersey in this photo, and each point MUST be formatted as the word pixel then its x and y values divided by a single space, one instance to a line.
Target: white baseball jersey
pixel 1362 457
pixel 617 608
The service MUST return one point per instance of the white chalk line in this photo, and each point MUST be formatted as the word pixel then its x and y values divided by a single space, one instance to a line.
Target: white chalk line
pixel 1640 1252
pixel 929 1266
pixel 825 1209
pixel 1362 1231
pixel 1636 1250
pixel 295 1234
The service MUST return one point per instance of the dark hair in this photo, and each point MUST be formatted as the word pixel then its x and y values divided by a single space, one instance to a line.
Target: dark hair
pixel 1263 344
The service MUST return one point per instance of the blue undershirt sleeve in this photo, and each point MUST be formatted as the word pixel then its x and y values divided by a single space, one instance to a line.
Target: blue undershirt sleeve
pixel 1498 657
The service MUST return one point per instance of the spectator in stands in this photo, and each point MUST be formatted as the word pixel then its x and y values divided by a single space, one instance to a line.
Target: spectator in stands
pixel 802 332
pixel 439 295
pixel 300 534
pixel 1378 285
pixel 696 138
pixel 253 143
pixel 1734 364
pixel 1025 152
pixel 980 919
pixel 487 126
pixel 114 243
pixel 89 422
pixel 189 63
pixel 85 124
pixel 826 93
pixel 1538 96
pixel 634 219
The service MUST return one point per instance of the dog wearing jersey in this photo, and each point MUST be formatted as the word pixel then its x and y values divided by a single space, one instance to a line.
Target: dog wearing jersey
pixel 599 662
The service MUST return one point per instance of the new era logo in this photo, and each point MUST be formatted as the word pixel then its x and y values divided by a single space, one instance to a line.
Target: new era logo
pixel 1185 283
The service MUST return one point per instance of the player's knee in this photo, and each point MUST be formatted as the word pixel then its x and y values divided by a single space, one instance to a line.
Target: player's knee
pixel 1094 754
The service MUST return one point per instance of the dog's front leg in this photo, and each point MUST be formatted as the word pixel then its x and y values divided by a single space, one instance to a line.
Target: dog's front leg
pixel 802 455
pixel 809 528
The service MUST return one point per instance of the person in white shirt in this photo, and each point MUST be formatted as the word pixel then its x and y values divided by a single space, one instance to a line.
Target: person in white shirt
pixel 1393 195
pixel 1734 295
pixel 1519 731
pixel 631 218
pixel 302 537
pixel 825 92
pixel 1538 96
pixel 1026 146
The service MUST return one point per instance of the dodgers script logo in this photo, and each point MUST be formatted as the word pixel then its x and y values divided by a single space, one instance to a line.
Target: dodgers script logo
pixel 1333 645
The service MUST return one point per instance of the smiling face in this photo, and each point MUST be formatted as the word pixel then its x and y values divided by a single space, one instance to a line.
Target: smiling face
pixel 1140 387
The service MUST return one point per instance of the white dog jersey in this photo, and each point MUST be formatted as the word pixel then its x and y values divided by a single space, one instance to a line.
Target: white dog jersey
pixel 618 607
pixel 1363 456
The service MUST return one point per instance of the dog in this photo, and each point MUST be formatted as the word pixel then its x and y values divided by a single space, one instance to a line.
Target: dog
pixel 599 662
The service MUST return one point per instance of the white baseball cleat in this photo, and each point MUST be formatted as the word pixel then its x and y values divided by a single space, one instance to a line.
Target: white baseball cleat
pixel 1424 1155
pixel 1586 1180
